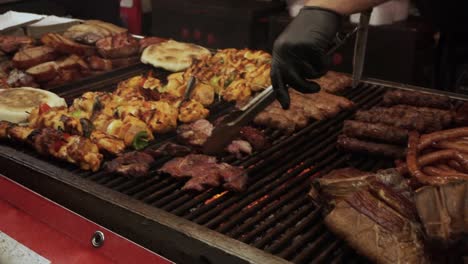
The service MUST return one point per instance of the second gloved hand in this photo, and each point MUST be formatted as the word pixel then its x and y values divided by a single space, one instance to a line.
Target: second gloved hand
pixel 299 53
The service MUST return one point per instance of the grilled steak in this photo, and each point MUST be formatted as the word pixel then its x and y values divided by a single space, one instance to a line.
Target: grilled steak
pixel 134 164
pixel 361 146
pixel 395 97
pixel 384 223
pixel 26 58
pixel 118 46
pixel 9 44
pixel 204 171
pixel 66 46
pixel 379 132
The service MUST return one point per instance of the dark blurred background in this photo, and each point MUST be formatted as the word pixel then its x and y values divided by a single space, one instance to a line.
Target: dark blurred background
pixel 401 52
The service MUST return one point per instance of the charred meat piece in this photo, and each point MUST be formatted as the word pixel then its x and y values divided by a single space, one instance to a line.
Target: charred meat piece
pixel 204 171
pixel 9 44
pixel 334 82
pixel 361 146
pixel 255 137
pixel 118 46
pixel 385 227
pixel 195 133
pixel 132 164
pixel 461 116
pixel 239 148
pixel 375 131
pixel 18 78
pixel 26 58
pixel 396 97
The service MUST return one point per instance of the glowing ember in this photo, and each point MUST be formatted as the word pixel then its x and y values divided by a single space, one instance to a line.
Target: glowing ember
pixel 215 197
pixel 257 201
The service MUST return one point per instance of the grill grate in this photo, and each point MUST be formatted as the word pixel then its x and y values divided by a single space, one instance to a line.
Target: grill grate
pixel 274 214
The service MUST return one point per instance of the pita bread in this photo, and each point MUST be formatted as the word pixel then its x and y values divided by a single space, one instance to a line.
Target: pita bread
pixel 172 55
pixel 16 103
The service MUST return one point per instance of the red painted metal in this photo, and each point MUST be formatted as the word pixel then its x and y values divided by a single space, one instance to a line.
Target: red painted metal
pixel 60 235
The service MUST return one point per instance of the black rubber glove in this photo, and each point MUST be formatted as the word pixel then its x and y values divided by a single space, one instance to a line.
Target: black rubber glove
pixel 299 53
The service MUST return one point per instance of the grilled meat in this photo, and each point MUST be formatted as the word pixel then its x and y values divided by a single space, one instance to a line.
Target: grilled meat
pixel 395 97
pixel 65 45
pixel 255 137
pixel 132 164
pixel 422 120
pixel 239 147
pixel 204 171
pixel 385 227
pixel 118 46
pixel 9 44
pixel 26 58
pixel 195 133
pixel 334 82
pixel 92 30
pixel 378 132
pixel 303 107
pixel 357 145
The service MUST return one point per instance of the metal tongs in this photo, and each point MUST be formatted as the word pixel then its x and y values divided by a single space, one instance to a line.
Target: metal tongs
pixel 230 126
pixel 360 47
pixel 189 89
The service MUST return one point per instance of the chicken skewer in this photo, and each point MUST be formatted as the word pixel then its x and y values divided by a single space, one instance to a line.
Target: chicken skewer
pixel 50 142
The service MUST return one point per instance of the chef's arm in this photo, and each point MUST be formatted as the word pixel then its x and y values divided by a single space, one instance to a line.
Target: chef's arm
pixel 345 7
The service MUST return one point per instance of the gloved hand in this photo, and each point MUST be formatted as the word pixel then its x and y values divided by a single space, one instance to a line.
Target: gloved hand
pixel 299 53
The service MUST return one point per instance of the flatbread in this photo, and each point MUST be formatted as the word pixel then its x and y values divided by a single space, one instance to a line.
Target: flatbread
pixel 172 55
pixel 16 103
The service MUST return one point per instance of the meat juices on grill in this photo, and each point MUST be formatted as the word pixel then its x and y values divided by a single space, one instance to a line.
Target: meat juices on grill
pixel 357 145
pixel 375 131
pixel 385 227
pixel 204 172
pixel 395 97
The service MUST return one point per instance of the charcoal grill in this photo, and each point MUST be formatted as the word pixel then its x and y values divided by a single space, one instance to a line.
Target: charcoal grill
pixel 273 221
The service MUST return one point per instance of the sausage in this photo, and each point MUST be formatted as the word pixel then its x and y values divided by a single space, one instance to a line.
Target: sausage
pixel 429 139
pixel 438 156
pixel 414 167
